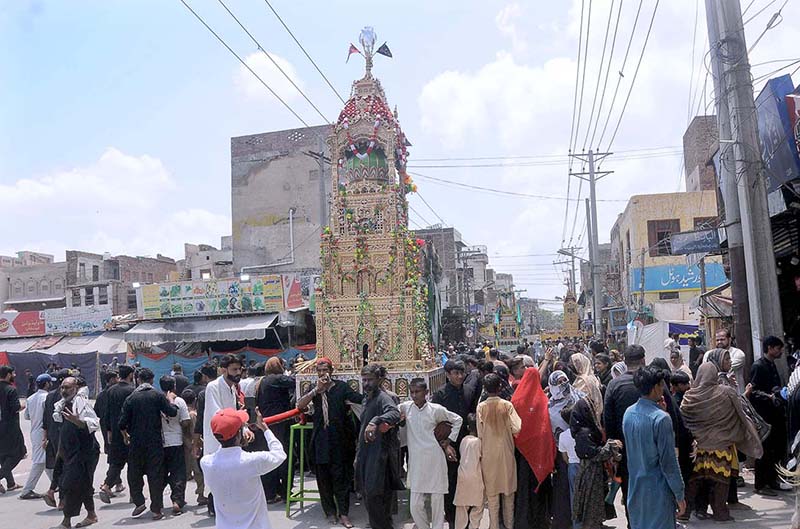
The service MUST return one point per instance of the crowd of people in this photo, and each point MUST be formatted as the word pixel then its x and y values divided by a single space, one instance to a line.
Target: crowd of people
pixel 546 437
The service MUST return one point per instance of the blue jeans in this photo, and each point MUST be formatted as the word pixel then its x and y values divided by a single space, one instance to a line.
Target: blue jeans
pixel 572 473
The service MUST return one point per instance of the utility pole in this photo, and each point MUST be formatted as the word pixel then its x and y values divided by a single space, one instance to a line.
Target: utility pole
pixel 592 176
pixel 590 233
pixel 739 140
pixel 323 199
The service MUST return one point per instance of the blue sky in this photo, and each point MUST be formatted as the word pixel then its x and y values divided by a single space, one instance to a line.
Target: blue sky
pixel 116 116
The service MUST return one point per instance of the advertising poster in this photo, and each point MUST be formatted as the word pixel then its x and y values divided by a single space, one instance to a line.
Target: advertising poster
pixel 77 320
pixel 215 297
pixel 29 323
pixel 292 291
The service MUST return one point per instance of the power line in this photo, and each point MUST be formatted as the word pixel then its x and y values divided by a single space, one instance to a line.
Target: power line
pixel 543 163
pixel 500 191
pixel 423 219
pixel 621 74
pixel 608 71
pixel 304 50
pixel 284 103
pixel 274 62
pixel 599 75
pixel 543 156
pixel 635 74
pixel 430 208
pixel 759 12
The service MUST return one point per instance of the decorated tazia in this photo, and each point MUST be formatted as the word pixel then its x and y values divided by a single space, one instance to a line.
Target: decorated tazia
pixel 373 299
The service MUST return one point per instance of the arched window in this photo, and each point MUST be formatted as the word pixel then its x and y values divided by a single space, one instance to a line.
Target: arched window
pixel 58 286
pixel 31 291
pixel 19 289
pixel 44 287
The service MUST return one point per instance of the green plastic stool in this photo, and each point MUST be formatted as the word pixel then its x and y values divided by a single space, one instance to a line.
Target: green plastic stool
pixel 300 495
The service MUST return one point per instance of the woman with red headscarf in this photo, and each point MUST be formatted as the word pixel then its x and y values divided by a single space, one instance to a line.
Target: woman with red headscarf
pixel 536 451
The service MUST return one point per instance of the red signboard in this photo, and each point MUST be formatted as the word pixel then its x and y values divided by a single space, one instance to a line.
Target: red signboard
pixel 30 323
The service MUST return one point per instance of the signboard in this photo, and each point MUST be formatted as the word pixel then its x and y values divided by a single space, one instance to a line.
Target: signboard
pixel 67 320
pixel 29 323
pixel 698 241
pixel 292 291
pixel 76 320
pixel 676 277
pixel 775 134
pixel 213 297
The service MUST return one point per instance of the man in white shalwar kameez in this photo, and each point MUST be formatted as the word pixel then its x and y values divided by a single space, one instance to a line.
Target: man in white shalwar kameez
pixel 427 457
pixel 34 412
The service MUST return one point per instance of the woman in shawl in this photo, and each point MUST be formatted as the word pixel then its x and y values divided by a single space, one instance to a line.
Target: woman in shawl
pixel 619 368
pixel 721 358
pixel 602 368
pixel 562 395
pixel 588 502
pixel 536 451
pixel 588 383
pixel 713 413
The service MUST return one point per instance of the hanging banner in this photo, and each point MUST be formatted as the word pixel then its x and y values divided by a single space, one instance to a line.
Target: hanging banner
pixel 676 277
pixel 77 320
pixel 213 297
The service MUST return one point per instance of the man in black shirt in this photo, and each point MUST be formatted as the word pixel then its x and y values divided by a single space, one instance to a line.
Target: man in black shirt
pixel 621 394
pixel 696 353
pixel 332 440
pixel 140 425
pixel 202 377
pixel 52 435
pixel 12 443
pixel 197 384
pixel 181 382
pixel 117 448
pixel 767 401
pixel 462 399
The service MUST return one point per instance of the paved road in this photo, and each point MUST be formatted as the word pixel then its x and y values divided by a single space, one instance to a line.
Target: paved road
pixel 757 512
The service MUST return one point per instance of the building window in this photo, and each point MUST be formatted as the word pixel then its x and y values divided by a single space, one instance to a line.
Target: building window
pixel 58 286
pixel 704 223
pixel 102 295
pixel 664 296
pixel 136 276
pixel 628 246
pixel 88 296
pixel 95 273
pixel 82 271
pixel 131 299
pixel 658 236
pixel 126 276
pixel 31 288
pixel 149 277
pixel 18 288
pixel 44 287
pixel 76 297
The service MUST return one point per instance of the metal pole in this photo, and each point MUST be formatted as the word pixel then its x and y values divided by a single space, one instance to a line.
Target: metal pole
pixel 598 295
pixel 735 86
pixel 730 200
pixel 591 260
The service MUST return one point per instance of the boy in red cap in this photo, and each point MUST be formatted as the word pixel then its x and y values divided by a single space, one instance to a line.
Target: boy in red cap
pixel 234 476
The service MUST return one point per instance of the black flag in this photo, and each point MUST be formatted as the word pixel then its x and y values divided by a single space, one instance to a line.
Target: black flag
pixel 384 50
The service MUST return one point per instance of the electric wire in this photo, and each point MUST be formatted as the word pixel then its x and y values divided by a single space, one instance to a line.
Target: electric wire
pixel 635 74
pixel 304 50
pixel 274 62
pixel 244 63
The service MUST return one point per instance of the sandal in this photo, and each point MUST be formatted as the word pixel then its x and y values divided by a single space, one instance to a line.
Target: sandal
pixel 86 522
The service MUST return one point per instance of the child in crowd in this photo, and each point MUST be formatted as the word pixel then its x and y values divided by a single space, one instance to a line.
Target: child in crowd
pixel 470 495
pixel 498 423
pixel 566 447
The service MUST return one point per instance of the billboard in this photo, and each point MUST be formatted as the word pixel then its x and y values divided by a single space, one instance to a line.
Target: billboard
pixel 775 134
pixel 214 297
pixel 676 277
pixel 698 241
pixel 29 323
pixel 67 320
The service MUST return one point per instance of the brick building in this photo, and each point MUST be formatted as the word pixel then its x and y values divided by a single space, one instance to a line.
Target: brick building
pixel 102 279
pixel 700 142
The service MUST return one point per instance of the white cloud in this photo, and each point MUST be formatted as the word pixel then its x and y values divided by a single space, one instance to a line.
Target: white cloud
pixel 120 203
pixel 506 21
pixel 251 88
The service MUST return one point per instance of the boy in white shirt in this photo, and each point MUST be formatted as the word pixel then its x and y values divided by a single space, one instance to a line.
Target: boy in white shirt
pixel 177 434
pixel 427 456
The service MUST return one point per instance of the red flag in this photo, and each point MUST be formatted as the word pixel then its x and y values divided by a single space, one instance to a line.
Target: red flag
pixel 351 51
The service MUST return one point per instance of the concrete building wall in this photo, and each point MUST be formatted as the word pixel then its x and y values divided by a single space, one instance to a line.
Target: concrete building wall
pixel 26 258
pixel 203 258
pixel 630 242
pixel 700 141
pixel 272 173
pixel 447 242
pixel 27 285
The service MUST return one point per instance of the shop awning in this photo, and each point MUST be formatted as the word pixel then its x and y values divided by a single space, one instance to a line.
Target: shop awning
pixel 229 329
